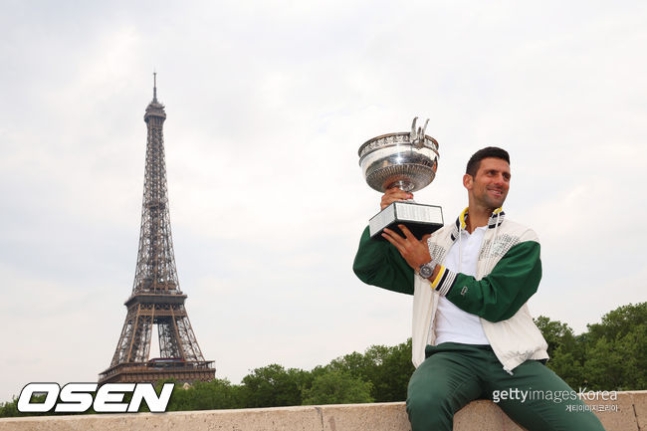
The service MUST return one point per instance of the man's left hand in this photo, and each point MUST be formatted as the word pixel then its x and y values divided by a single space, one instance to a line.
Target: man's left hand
pixel 415 252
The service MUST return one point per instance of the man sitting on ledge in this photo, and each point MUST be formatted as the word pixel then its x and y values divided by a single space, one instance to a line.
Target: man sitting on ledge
pixel 473 336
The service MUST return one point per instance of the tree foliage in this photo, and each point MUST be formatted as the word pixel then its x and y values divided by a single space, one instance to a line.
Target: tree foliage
pixel 274 386
pixel 387 368
pixel 337 387
pixel 217 394
pixel 611 355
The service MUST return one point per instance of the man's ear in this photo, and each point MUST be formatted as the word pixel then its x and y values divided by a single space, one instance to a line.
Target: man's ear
pixel 468 180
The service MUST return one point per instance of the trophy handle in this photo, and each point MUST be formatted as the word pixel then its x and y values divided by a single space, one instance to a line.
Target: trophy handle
pixel 417 137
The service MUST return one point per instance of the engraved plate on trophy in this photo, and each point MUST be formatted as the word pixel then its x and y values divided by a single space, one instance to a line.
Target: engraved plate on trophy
pixel 407 160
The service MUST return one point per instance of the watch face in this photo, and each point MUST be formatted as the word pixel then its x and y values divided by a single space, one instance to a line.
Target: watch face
pixel 425 271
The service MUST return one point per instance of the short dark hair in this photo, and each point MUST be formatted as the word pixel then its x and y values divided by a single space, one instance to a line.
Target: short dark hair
pixel 475 161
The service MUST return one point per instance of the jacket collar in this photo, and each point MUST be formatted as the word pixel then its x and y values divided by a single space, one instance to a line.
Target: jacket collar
pixel 496 218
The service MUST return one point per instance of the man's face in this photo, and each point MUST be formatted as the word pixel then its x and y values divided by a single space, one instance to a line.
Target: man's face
pixel 489 187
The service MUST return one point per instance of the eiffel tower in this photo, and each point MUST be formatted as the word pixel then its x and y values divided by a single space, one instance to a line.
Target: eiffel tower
pixel 156 299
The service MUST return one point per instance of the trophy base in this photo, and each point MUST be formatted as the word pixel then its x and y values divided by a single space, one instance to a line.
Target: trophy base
pixel 420 219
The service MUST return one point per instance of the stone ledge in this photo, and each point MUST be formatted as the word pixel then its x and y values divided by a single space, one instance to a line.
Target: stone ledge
pixel 627 413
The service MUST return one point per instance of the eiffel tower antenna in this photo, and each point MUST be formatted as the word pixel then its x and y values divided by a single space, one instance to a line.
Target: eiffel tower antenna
pixel 156 298
pixel 154 86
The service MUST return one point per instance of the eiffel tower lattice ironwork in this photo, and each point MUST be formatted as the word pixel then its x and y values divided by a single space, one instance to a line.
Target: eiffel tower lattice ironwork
pixel 156 299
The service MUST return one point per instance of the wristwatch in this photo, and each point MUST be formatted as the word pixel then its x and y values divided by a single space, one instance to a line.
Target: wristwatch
pixel 427 269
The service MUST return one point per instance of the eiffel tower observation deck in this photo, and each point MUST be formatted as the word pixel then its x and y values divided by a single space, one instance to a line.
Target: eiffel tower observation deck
pixel 156 300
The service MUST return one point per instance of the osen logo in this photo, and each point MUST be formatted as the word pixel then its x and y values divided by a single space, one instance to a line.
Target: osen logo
pixel 79 397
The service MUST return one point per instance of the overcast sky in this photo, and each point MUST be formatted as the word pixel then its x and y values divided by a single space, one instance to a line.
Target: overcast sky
pixel 267 103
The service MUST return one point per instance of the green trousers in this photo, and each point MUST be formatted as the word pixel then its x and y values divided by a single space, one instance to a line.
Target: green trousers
pixel 454 374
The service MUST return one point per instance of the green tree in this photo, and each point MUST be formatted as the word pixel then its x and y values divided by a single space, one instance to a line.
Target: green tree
pixel 337 387
pixel 569 366
pixel 619 322
pixel 611 355
pixel 388 369
pixel 390 372
pixel 605 367
pixel 555 332
pixel 617 356
pixel 566 350
pixel 10 409
pixel 274 386
pixel 217 394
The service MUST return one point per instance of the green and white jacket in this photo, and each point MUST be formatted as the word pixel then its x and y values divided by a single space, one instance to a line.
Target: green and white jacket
pixel 508 274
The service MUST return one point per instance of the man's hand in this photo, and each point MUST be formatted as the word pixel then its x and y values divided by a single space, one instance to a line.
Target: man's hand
pixel 415 252
pixel 394 194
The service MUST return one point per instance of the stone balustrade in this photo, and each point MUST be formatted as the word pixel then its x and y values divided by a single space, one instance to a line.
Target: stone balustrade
pixel 626 413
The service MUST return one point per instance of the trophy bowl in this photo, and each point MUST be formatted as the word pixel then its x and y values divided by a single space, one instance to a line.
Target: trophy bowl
pixel 407 160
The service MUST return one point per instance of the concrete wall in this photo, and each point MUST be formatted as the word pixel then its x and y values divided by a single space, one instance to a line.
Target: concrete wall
pixel 627 413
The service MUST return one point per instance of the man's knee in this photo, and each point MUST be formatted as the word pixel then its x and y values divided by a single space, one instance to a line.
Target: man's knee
pixel 427 410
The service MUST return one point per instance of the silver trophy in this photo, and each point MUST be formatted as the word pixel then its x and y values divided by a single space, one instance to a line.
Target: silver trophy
pixel 407 160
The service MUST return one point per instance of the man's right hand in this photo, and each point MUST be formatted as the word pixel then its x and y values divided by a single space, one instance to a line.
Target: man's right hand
pixel 394 194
